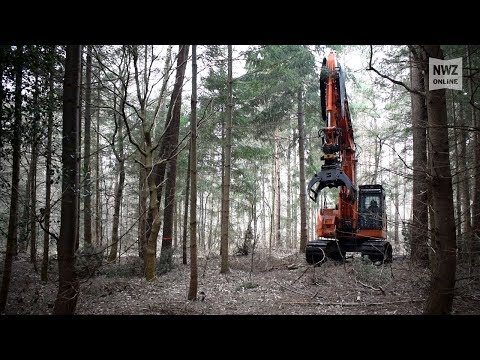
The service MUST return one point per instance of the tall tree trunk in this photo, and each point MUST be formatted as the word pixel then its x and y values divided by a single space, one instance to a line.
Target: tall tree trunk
pixel 264 214
pixel 192 289
pixel 203 238
pixel 432 251
pixel 175 223
pixel 278 240
pixel 153 212
pixel 147 151
pixel 48 174
pixel 171 141
pixel 475 235
pixel 98 204
pixel 211 214
pixel 295 202
pixel 440 297
pixel 22 245
pixel 120 218
pixel 254 213
pixel 33 176
pixel 288 239
pixel 142 207
pixel 174 107
pixel 156 174
pixel 200 200
pixel 118 188
pixel 13 216
pixel 272 212
pixel 396 190
pixel 224 267
pixel 68 289
pixel 187 196
pixel 87 196
pixel 79 155
pixel 464 185
pixel 218 220
pixel 419 234
pixel 107 207
pixel 458 202
pixel 301 152
pixel 204 222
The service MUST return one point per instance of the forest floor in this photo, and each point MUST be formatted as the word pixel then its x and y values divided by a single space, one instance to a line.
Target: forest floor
pixel 278 285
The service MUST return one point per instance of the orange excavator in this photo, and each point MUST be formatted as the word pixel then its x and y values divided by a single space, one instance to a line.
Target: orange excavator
pixel 358 223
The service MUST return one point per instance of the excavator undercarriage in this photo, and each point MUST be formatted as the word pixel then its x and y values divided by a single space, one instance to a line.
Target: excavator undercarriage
pixel 318 251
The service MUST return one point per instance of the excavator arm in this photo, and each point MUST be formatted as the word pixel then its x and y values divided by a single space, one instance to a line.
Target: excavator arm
pixel 338 144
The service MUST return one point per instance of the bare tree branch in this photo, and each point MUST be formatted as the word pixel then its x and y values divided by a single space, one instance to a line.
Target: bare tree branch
pixel 371 68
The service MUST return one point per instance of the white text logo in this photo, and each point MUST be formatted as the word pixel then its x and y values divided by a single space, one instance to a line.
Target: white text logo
pixel 445 74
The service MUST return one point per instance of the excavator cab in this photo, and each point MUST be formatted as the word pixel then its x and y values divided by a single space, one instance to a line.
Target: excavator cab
pixel 371 210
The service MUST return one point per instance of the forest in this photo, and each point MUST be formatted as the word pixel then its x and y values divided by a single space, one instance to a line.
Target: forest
pixel 176 179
